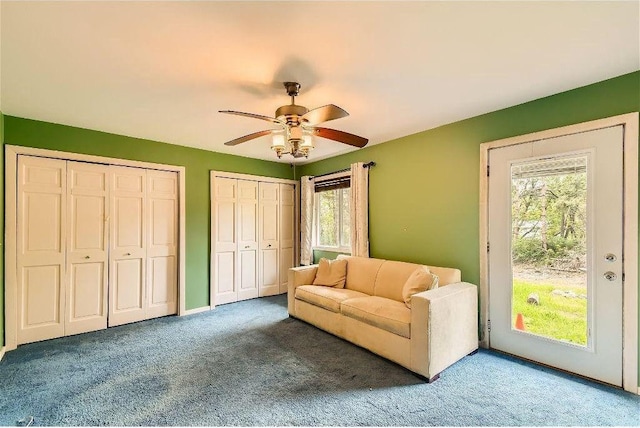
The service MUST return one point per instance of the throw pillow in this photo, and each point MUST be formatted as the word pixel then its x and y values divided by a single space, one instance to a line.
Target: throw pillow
pixel 331 273
pixel 420 280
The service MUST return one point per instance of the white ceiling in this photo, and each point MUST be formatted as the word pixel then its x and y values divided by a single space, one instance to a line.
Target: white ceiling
pixel 162 70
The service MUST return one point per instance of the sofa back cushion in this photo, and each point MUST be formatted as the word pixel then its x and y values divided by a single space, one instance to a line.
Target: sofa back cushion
pixel 361 273
pixel 331 273
pixel 386 278
pixel 420 280
pixel 391 279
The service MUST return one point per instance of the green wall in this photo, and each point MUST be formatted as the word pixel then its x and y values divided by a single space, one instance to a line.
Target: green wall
pixel 423 191
pixel 318 254
pixel 198 163
pixel 1 230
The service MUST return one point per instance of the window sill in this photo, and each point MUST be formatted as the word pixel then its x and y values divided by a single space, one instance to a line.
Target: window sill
pixel 342 250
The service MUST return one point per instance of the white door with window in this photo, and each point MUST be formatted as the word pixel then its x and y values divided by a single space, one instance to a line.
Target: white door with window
pixel 555 252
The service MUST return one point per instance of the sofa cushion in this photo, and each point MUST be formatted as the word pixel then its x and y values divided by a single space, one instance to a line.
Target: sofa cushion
pixel 331 273
pixel 361 273
pixel 391 278
pixel 420 280
pixel 380 312
pixel 446 275
pixel 325 297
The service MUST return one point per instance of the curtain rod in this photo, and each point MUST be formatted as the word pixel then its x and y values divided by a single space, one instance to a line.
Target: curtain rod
pixel 366 165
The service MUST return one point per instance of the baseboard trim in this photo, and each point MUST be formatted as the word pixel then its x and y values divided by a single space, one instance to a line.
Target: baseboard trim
pixel 196 310
pixel 2 351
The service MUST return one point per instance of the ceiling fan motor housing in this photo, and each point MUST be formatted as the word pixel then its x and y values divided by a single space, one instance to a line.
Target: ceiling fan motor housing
pixel 291 113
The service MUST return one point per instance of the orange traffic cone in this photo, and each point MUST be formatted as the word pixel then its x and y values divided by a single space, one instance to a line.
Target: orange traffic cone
pixel 520 323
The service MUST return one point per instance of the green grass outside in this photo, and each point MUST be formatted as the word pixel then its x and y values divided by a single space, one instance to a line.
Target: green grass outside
pixel 557 317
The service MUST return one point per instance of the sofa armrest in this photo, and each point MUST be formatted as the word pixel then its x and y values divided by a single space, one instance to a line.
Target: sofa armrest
pixel 302 275
pixel 444 327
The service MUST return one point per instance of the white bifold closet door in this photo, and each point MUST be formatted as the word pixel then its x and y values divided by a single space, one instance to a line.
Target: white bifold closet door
pixel 247 220
pixel 236 240
pixel 162 243
pixel 143 244
pixel 268 263
pixel 226 243
pixel 62 248
pixel 96 244
pixel 287 233
pixel 41 248
pixel 253 238
pixel 87 247
pixel 127 300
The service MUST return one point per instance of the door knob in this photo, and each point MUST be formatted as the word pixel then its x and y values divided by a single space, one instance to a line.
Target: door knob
pixel 610 276
pixel 127 254
pixel 246 246
pixel 269 246
pixel 87 257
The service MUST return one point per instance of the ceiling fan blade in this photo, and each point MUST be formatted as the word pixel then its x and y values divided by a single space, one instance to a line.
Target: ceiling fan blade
pixel 247 137
pixel 324 114
pixel 341 136
pixel 255 116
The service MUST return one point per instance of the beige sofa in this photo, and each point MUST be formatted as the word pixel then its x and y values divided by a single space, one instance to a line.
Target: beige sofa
pixel 440 328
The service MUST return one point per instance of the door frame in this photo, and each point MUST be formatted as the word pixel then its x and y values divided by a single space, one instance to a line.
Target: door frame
pixel 629 122
pixel 10 255
pixel 213 175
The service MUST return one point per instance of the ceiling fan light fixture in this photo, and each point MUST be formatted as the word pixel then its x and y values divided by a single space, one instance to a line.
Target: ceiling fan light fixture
pixel 306 145
pixel 308 141
pixel 278 143
pixel 299 127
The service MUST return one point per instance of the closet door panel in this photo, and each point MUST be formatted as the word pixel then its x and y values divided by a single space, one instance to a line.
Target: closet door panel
pixel 225 278
pixel 286 262
pixel 247 273
pixel 269 234
pixel 127 294
pixel 87 231
pixel 225 240
pixel 287 233
pixel 162 279
pixel 41 248
pixel 269 269
pixel 127 291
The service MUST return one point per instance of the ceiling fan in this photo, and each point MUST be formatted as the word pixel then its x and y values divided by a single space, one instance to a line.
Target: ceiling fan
pixel 298 127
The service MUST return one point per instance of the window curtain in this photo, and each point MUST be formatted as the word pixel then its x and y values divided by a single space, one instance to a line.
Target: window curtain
pixel 307 184
pixel 359 210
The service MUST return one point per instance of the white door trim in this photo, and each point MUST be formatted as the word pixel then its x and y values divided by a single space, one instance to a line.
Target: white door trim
pixel 10 180
pixel 630 287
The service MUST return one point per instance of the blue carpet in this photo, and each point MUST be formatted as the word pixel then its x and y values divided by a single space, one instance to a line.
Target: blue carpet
pixel 249 364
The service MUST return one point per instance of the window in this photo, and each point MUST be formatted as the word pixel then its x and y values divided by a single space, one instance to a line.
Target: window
pixel 333 220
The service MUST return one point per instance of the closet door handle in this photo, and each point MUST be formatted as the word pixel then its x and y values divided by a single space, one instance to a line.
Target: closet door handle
pixel 87 257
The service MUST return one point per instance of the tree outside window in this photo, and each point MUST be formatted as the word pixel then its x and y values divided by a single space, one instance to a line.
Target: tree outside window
pixel 333 219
